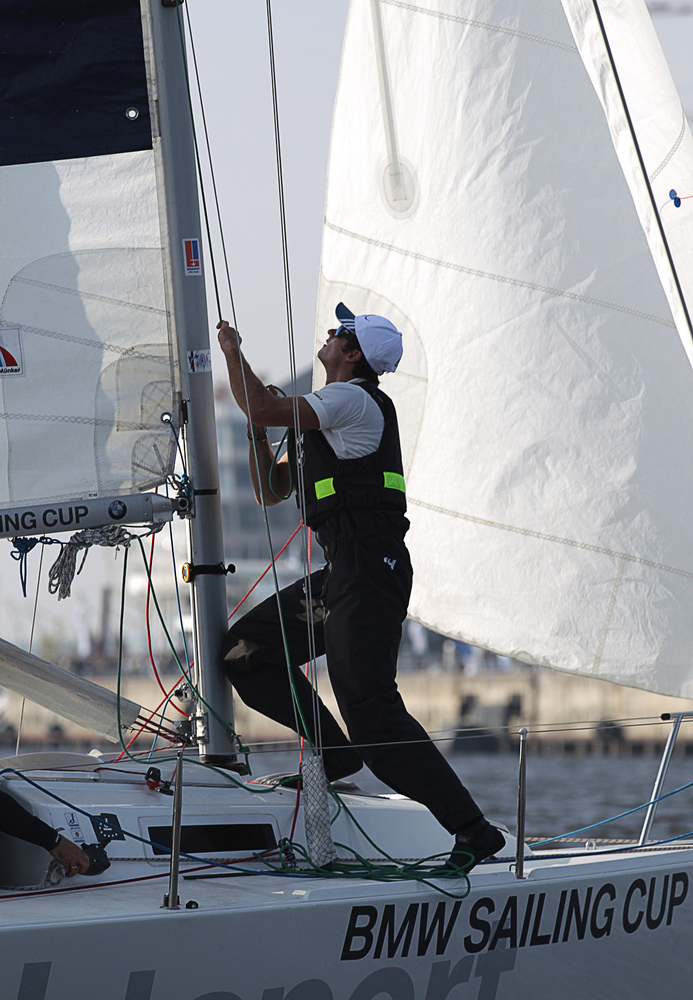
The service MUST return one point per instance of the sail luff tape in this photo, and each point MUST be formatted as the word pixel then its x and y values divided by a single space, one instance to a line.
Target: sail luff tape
pixel 81 701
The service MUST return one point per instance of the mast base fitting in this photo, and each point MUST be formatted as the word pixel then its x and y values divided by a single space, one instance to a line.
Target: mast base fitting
pixel 229 762
pixel 191 570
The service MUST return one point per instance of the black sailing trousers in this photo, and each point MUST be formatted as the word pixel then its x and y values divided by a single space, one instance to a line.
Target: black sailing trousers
pixel 359 601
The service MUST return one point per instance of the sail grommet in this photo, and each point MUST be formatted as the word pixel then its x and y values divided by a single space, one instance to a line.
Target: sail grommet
pixel 190 570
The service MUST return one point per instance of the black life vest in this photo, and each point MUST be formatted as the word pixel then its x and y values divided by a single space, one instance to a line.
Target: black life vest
pixel 332 484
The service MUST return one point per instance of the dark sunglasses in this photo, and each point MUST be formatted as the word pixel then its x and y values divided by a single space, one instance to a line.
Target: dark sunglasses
pixel 349 336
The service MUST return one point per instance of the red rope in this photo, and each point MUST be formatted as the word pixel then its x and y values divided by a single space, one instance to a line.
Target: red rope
pixel 264 574
pixel 149 640
pixel 151 716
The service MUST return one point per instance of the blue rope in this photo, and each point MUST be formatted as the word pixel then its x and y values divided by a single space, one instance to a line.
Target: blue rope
pixel 20 553
pixel 161 721
pixel 628 812
pixel 102 821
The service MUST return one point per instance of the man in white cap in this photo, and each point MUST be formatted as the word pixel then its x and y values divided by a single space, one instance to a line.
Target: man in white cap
pixel 351 470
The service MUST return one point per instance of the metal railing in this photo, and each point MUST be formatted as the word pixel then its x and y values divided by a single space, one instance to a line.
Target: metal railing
pixel 521 801
pixel 676 719
pixel 171 900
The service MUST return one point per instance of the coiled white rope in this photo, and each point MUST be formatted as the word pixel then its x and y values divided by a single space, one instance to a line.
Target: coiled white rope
pixel 62 572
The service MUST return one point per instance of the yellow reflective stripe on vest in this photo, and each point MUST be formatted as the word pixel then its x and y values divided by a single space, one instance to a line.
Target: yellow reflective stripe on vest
pixel 324 488
pixel 393 481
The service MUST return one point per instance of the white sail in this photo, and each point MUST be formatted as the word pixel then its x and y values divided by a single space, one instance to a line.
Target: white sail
pixel 87 364
pixel 492 211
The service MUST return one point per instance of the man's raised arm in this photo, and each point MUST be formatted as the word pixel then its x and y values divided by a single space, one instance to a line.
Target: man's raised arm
pixel 260 406
pixel 263 408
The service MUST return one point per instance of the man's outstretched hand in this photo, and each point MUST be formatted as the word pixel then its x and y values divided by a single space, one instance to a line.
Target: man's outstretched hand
pixel 229 339
pixel 71 857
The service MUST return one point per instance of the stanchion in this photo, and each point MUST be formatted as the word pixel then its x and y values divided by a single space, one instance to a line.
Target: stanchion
pixel 521 799
pixel 171 900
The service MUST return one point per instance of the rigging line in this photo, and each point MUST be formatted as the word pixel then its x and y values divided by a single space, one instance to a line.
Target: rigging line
pixel 611 819
pixel 31 644
pixel 211 170
pixel 144 725
pixel 641 162
pixel 300 485
pixel 222 722
pixel 178 603
pixel 245 388
pixel 159 729
pixel 203 197
pixel 263 505
pixel 149 630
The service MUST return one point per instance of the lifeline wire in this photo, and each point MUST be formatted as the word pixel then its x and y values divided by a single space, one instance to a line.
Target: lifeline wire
pixel 413 871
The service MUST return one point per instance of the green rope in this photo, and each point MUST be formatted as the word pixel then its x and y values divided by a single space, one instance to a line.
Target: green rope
pixel 275 458
pixel 226 725
pixel 361 869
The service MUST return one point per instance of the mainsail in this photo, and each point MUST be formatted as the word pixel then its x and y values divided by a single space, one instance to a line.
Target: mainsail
pixel 86 362
pixel 486 193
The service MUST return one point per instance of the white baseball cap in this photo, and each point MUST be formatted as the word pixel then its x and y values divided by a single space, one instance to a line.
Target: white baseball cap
pixel 379 339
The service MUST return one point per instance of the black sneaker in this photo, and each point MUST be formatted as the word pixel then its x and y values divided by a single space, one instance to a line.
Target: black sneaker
pixel 470 850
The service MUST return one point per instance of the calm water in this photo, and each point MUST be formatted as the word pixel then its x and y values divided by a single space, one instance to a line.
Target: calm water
pixel 563 793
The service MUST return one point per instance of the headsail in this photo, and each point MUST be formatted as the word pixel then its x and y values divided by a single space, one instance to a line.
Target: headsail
pixel 476 196
pixel 87 363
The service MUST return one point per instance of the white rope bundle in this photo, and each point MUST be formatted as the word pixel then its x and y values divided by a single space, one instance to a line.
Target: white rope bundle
pixel 62 572
pixel 316 812
pixel 55 873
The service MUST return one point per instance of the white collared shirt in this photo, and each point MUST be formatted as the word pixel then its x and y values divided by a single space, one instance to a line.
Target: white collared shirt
pixel 350 418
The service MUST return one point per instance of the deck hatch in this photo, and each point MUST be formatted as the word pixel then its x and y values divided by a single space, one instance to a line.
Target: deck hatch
pixel 214 838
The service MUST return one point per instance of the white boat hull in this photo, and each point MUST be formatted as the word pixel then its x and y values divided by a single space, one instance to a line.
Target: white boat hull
pixel 333 941
pixel 585 924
